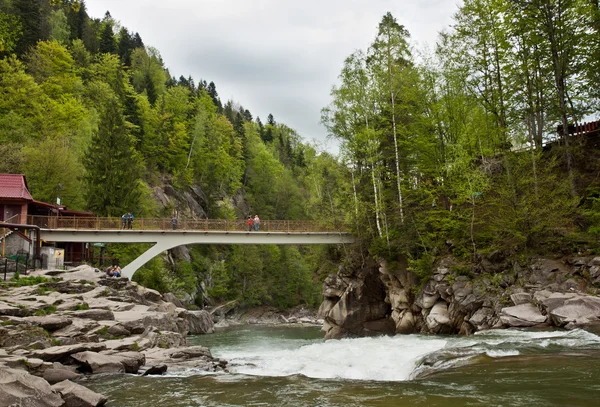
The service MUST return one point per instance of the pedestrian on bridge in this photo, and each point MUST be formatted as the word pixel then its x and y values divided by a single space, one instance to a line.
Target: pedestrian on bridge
pixel 124 221
pixel 256 222
pixel 129 220
pixel 174 222
pixel 250 223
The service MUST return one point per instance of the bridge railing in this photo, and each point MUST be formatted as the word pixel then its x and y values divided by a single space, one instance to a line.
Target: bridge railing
pixel 93 223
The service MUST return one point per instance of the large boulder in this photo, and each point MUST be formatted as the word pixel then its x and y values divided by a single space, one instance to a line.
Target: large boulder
pixel 131 361
pixel 576 311
pixel 363 301
pixel 98 363
pixel 53 375
pixel 170 297
pixel 438 320
pixel 522 315
pixel 19 388
pixel 75 395
pixel 199 322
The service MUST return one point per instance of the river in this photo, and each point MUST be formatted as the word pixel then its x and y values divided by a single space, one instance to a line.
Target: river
pixel 292 366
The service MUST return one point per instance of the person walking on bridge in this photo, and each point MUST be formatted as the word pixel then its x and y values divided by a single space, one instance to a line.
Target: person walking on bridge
pixel 256 222
pixel 124 221
pixel 250 223
pixel 129 220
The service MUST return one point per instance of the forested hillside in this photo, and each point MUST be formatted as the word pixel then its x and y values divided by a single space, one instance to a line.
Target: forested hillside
pixel 462 151
pixel 466 150
pixel 90 113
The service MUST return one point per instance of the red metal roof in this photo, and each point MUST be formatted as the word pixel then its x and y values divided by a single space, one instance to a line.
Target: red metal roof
pixel 14 186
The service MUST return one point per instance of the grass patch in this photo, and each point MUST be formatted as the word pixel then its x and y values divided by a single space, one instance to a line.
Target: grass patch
pixel 18 281
pixel 6 323
pixel 102 331
pixel 45 311
pixel 43 290
pixel 82 307
pixel 55 342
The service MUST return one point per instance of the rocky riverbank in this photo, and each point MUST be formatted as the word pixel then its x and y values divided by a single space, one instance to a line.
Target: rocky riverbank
pixel 379 298
pixel 56 327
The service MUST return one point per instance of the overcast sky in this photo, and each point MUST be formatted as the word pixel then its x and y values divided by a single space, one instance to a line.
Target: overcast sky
pixel 271 56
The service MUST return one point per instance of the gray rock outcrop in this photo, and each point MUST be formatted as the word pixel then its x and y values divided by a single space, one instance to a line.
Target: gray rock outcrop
pixel 19 388
pixel 459 299
pixel 75 395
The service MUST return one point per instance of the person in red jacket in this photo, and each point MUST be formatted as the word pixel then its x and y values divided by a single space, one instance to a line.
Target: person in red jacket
pixel 250 223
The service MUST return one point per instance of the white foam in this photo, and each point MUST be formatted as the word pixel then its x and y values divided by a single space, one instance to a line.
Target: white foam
pixel 378 359
pixel 502 353
pixel 387 358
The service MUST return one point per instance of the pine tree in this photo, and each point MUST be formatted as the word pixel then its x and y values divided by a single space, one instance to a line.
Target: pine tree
pixel 108 43
pixel 212 92
pixel 125 46
pixel 137 41
pixel 112 166
pixel 29 13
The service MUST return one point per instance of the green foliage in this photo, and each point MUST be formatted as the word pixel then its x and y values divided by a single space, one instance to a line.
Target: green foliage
pixel 10 32
pixel 422 267
pixel 112 166
pixel 18 281
pixel 46 311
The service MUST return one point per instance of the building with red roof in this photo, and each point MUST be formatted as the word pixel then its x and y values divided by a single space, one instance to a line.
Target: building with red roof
pixel 14 198
pixel 17 206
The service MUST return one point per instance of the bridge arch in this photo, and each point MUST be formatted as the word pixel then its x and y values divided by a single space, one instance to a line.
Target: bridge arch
pixel 168 239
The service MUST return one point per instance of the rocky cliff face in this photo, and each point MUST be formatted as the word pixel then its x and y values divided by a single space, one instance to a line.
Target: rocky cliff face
pixel 378 299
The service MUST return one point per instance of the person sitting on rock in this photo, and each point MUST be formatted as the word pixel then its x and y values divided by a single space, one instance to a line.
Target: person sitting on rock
pixel 116 272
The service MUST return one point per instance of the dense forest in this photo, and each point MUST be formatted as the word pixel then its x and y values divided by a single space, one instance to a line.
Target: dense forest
pixel 90 113
pixel 462 151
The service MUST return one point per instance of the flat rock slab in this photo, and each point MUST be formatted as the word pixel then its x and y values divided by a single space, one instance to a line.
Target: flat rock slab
pixel 9 310
pixel 19 388
pixel 95 314
pixel 50 322
pixel 522 316
pixel 76 395
pixel 60 353
pixel 98 363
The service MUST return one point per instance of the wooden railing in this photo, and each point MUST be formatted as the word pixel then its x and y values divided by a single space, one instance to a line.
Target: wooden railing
pixel 92 223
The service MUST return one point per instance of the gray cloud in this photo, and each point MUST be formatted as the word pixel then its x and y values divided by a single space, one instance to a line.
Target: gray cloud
pixel 271 56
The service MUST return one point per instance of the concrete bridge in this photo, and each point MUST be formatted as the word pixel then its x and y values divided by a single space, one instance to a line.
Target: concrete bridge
pixel 161 233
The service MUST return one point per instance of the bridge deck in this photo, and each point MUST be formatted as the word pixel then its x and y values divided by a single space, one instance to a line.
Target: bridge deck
pixel 94 223
pixel 187 232
pixel 174 238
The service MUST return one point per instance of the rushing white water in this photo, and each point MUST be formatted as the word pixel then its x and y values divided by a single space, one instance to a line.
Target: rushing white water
pixel 397 358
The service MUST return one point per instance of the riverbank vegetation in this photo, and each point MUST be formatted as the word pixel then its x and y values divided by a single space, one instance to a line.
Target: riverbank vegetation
pixel 467 150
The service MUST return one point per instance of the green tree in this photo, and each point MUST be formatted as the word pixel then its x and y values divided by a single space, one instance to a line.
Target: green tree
pixel 10 32
pixel 112 166
pixel 59 27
